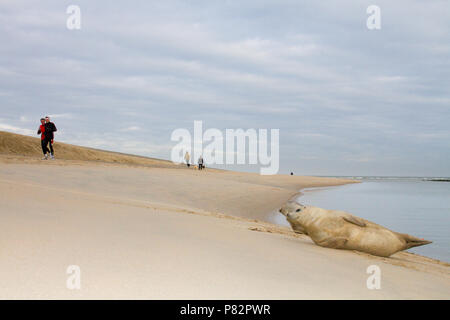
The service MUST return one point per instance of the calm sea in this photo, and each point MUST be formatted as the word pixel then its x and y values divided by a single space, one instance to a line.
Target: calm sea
pixel 407 205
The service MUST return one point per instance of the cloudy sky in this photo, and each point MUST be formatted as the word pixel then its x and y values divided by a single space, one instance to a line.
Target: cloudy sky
pixel 347 100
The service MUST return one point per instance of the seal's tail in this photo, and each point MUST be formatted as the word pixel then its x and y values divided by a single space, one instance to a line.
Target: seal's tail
pixel 413 241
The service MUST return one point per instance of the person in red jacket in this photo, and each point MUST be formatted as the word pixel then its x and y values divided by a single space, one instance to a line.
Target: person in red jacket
pixel 50 128
pixel 41 131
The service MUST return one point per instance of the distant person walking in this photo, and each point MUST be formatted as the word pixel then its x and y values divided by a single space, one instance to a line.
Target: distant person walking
pixel 41 131
pixel 49 136
pixel 200 163
pixel 187 157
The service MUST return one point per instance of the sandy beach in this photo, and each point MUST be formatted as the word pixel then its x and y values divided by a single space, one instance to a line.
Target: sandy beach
pixel 143 232
pixel 156 149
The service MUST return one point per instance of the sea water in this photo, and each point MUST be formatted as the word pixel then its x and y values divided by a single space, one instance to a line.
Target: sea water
pixel 415 206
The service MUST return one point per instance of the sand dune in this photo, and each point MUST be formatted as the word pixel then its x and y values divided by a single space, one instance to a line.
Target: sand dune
pixel 12 144
pixel 144 231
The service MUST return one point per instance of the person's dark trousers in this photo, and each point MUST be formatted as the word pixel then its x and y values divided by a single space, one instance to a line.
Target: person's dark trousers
pixel 44 147
pixel 48 142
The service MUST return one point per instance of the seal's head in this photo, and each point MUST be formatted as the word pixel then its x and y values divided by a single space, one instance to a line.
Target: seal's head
pixel 291 209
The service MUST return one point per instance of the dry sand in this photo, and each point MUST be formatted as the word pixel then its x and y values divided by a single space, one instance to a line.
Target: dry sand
pixel 167 232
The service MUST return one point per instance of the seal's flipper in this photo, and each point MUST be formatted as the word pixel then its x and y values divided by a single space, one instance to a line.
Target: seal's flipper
pixel 333 242
pixel 354 220
pixel 298 229
pixel 411 244
pixel 412 241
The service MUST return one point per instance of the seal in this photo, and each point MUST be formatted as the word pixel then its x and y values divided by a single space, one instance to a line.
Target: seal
pixel 341 230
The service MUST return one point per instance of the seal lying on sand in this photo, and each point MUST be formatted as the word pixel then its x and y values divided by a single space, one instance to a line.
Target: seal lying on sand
pixel 341 230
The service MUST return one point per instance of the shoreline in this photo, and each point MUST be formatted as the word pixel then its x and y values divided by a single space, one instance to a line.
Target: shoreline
pixel 130 228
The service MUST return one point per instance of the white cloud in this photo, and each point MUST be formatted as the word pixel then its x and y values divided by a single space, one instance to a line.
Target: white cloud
pixel 391 78
pixel 61 116
pixel 130 129
pixel 14 129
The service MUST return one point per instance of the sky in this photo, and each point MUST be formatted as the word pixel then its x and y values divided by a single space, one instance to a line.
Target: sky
pixel 346 100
